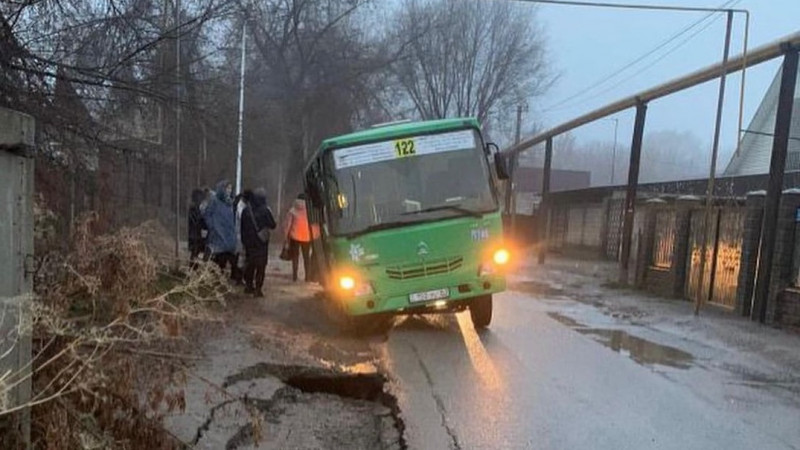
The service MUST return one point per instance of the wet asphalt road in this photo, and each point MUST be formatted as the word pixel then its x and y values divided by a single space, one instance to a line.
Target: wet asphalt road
pixel 532 381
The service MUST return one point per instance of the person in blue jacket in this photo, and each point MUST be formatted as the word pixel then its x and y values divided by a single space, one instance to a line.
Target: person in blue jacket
pixel 219 218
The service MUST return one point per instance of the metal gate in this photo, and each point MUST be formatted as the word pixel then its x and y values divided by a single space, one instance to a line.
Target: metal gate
pixel 728 254
pixel 664 239
pixel 723 256
pixel 614 230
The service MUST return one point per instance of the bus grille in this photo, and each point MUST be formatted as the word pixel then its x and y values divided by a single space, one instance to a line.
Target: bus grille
pixel 424 269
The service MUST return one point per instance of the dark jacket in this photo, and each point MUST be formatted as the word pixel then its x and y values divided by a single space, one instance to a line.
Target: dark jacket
pixel 221 223
pixel 256 216
pixel 196 226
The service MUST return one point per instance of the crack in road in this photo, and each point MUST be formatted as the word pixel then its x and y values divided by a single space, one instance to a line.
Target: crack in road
pixel 251 405
pixel 207 424
pixel 437 399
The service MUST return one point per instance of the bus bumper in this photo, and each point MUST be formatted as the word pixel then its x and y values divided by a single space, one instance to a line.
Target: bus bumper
pixel 458 294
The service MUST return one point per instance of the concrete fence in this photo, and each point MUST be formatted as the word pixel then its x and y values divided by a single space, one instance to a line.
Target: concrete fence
pixel 16 253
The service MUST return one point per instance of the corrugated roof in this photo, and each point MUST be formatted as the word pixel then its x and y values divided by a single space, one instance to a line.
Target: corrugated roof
pixel 755 149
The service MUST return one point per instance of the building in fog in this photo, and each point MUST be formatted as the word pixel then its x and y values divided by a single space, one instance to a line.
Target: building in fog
pixel 528 181
pixel 753 155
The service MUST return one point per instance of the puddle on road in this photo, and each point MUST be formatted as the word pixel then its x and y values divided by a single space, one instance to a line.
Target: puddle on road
pixel 640 350
pixel 536 288
pixel 568 321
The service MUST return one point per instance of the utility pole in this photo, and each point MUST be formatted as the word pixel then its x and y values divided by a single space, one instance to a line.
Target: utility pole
pixel 511 207
pixel 629 210
pixel 712 173
pixel 614 150
pixel 777 168
pixel 177 132
pixel 241 111
pixel 544 207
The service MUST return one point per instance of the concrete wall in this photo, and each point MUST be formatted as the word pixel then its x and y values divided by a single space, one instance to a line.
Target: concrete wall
pixel 584 228
pixel 16 252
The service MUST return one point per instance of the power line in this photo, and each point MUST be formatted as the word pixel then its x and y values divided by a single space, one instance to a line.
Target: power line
pixel 632 6
pixel 602 81
pixel 643 69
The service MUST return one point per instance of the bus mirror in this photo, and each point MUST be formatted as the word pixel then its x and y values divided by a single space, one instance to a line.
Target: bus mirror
pixel 313 191
pixel 501 166
pixel 315 195
pixel 492 149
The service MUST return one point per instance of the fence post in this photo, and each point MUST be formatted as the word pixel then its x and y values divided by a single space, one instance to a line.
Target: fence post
pixel 630 195
pixel 754 212
pixel 16 251
pixel 781 264
pixel 680 248
pixel 780 144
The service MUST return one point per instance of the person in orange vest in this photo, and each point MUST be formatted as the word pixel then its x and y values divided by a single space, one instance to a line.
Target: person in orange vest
pixel 299 236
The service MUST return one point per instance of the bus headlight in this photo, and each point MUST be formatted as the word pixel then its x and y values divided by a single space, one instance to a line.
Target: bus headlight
pixel 357 287
pixel 501 257
pixel 347 283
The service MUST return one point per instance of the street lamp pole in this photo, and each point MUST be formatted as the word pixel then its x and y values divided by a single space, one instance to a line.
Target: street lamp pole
pixel 177 132
pixel 241 111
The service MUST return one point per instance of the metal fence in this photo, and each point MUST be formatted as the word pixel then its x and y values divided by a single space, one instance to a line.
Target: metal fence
pixel 664 239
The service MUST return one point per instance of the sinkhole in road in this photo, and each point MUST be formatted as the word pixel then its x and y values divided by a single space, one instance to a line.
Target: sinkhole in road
pixel 360 383
pixel 640 350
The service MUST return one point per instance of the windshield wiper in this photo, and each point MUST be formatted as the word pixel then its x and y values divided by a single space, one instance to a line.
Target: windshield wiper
pixel 456 207
pixel 376 227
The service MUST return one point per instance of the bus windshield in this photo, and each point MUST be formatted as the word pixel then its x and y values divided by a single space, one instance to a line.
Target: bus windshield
pixel 408 180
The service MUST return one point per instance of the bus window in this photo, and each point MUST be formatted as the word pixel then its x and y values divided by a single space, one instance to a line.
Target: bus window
pixel 449 178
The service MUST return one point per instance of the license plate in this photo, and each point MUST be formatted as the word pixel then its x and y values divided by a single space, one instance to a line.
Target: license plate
pixel 437 294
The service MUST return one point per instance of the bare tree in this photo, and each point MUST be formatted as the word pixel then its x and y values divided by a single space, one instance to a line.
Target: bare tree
pixel 312 73
pixel 667 155
pixel 470 56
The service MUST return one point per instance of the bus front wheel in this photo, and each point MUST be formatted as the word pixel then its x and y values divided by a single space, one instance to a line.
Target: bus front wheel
pixel 480 309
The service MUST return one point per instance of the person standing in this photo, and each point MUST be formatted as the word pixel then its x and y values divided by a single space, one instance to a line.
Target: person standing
pixel 256 221
pixel 195 226
pixel 299 235
pixel 208 197
pixel 219 219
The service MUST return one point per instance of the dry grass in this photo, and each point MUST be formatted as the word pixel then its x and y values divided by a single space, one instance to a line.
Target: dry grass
pixel 106 322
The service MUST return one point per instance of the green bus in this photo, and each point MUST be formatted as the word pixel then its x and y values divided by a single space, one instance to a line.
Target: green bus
pixel 406 220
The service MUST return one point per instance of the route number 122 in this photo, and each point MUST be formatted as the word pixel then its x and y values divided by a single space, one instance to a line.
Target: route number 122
pixel 404 147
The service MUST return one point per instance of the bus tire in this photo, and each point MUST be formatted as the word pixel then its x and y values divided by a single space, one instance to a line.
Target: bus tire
pixel 480 309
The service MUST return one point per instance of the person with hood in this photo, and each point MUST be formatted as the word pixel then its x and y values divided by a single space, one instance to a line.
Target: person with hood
pixel 299 236
pixel 256 220
pixel 219 219
pixel 196 225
